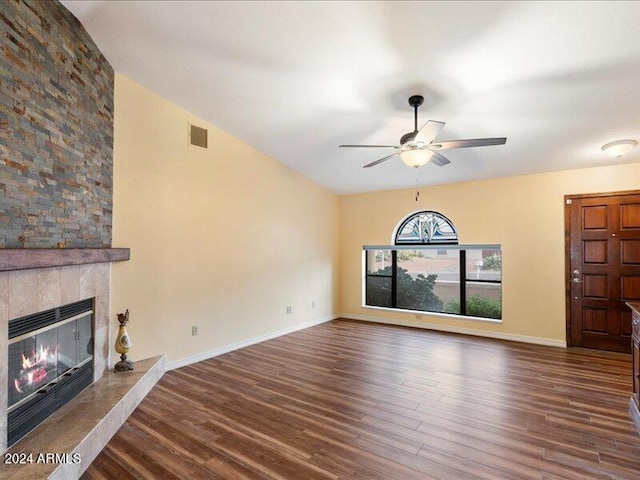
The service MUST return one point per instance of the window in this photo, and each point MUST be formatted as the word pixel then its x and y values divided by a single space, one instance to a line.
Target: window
pixel 447 278
pixel 379 278
pixel 425 227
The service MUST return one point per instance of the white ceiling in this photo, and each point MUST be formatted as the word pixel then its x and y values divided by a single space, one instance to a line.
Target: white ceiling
pixel 296 79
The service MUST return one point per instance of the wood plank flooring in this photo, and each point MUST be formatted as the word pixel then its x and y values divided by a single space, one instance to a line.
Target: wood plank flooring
pixel 350 400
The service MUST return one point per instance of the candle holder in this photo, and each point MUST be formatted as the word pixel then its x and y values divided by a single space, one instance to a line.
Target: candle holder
pixel 123 344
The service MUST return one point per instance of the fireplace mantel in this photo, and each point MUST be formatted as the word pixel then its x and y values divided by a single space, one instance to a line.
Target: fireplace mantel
pixel 28 258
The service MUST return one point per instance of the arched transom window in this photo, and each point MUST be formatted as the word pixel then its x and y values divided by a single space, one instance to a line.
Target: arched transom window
pixel 424 228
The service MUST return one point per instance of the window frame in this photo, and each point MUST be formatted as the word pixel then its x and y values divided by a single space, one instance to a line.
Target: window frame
pixel 463 274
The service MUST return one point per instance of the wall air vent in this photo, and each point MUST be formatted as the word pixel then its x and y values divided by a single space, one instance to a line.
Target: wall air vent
pixel 198 136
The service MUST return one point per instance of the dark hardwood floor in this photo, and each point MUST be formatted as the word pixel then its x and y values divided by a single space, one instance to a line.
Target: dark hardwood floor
pixel 351 400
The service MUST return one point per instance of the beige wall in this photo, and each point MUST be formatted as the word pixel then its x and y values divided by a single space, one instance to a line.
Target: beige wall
pixel 226 238
pixel 223 238
pixel 524 214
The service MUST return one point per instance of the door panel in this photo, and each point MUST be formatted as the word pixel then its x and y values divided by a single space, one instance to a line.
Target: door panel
pixel 630 215
pixel 630 288
pixel 595 320
pixel 604 269
pixel 630 252
pixel 594 217
pixel 594 251
pixel 594 286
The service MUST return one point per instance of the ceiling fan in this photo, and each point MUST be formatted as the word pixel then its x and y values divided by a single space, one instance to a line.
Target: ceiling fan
pixel 418 147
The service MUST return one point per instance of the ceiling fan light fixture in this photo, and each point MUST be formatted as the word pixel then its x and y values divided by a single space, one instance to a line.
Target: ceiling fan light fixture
pixel 619 147
pixel 416 157
pixel 416 147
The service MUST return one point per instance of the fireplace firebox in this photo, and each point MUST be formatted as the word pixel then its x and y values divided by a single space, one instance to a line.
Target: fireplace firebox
pixel 50 362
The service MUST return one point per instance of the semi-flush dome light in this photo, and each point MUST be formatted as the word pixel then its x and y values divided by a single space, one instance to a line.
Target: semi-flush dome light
pixel 619 147
pixel 416 157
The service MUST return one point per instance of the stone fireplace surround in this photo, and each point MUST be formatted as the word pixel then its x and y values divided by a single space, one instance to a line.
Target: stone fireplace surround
pixel 30 290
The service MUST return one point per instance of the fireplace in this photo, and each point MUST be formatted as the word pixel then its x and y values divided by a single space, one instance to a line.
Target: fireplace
pixel 50 357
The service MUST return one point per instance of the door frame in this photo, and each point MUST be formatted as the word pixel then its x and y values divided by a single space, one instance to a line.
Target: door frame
pixel 567 248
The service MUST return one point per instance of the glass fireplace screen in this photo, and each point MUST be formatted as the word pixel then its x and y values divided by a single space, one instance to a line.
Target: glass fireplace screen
pixel 38 359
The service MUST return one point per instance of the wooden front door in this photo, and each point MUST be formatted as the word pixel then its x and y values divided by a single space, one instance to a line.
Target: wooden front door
pixel 603 260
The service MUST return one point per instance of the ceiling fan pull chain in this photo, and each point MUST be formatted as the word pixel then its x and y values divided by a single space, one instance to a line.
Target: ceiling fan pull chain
pixel 417 191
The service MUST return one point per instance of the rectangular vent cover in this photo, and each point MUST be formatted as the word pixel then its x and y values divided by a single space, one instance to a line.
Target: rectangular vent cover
pixel 36 321
pixel 198 136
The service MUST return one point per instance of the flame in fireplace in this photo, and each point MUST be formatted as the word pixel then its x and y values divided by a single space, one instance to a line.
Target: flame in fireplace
pixel 34 368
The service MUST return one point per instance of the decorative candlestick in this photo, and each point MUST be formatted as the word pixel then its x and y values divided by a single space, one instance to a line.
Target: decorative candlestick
pixel 123 344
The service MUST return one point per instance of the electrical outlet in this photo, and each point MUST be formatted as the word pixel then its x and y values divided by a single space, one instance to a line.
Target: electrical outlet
pixel 289 309
pixel 194 330
pixel 313 304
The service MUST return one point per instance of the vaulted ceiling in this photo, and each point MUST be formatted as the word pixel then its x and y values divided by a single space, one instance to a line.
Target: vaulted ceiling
pixel 296 79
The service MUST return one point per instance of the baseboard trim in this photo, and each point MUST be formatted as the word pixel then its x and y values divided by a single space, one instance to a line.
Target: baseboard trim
pixel 466 331
pixel 245 343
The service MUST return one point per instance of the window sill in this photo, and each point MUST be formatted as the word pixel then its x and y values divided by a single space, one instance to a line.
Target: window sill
pixel 434 314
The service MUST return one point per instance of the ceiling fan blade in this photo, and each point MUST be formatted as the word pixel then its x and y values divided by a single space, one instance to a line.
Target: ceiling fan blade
pixel 383 159
pixel 474 142
pixel 429 131
pixel 439 160
pixel 368 146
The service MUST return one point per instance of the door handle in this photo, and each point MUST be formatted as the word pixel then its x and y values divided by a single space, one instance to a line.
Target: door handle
pixel 577 280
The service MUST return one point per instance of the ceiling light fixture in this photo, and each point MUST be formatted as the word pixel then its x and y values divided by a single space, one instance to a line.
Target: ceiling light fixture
pixel 417 148
pixel 416 157
pixel 619 147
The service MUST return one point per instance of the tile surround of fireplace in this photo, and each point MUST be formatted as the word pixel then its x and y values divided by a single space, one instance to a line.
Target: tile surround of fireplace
pixel 24 292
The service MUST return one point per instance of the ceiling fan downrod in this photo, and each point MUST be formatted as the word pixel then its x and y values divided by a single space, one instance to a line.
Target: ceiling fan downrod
pixel 415 101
